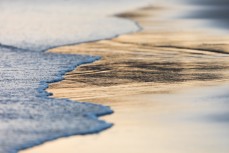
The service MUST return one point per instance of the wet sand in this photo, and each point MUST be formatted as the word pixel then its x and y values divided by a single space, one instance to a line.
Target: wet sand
pixel 165 123
pixel 166 85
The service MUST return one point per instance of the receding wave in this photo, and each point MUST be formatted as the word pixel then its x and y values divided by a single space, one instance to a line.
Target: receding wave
pixel 28 116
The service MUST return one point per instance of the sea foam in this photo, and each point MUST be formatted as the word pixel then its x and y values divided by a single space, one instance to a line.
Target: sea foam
pixel 39 25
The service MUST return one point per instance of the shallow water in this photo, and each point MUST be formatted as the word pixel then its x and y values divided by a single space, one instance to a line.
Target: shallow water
pixel 27 116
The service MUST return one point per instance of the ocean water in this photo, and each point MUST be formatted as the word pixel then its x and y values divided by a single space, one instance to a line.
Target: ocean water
pixel 28 116
pixel 214 12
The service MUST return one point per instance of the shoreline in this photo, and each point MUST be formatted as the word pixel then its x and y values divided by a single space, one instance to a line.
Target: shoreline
pixel 88 89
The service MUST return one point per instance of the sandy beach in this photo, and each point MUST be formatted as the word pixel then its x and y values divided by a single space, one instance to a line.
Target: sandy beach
pixel 160 82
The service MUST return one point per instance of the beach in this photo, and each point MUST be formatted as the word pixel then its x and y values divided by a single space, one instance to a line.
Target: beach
pixel 167 85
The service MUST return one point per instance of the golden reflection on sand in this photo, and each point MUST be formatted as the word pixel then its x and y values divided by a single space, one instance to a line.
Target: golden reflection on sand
pixel 141 77
pixel 166 54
